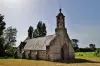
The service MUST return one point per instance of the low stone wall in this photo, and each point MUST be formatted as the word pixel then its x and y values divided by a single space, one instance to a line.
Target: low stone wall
pixel 55 57
pixel 27 54
pixel 42 54
pixel 32 54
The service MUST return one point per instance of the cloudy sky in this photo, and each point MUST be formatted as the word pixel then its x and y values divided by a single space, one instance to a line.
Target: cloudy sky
pixel 82 17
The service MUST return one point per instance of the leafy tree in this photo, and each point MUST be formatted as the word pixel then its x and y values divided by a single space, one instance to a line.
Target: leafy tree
pixel 36 33
pixel 10 51
pixel 10 38
pixel 2 27
pixel 44 32
pixel 39 28
pixel 97 52
pixel 75 45
pixel 30 32
pixel 40 31
pixel 92 46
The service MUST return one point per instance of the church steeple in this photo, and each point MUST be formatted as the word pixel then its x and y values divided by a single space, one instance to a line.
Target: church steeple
pixel 60 19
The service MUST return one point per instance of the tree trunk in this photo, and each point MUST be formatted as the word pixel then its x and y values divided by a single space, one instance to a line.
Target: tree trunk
pixel 1 50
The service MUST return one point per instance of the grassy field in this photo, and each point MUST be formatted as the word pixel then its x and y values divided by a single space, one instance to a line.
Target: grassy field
pixel 85 60
pixel 85 55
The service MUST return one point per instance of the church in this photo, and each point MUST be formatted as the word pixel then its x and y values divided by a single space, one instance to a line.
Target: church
pixel 52 47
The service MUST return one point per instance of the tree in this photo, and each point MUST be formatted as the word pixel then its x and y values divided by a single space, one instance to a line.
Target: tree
pixel 2 24
pixel 44 32
pixel 10 52
pixel 92 46
pixel 36 33
pixel 30 32
pixel 97 52
pixel 40 31
pixel 10 38
pixel 39 28
pixel 74 43
pixel 2 27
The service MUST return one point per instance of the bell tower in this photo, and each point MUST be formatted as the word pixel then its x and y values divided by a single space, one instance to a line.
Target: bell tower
pixel 60 20
pixel 60 23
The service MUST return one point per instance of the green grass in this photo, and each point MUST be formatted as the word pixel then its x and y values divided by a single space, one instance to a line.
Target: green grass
pixel 85 55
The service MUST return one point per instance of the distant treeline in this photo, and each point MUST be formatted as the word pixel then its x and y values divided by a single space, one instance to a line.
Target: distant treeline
pixel 87 50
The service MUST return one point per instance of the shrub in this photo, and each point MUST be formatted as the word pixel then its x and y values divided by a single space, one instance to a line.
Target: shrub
pixel 85 50
pixel 97 52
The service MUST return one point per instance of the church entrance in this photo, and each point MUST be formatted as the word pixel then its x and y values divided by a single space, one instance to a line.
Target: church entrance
pixel 62 53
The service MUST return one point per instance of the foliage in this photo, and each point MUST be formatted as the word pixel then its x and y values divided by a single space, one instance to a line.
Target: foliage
pixel 40 31
pixel 2 24
pixel 10 51
pixel 97 52
pixel 36 33
pixel 74 43
pixel 43 29
pixel 85 50
pixel 10 36
pixel 92 46
pixel 10 39
pixel 30 32
pixel 2 27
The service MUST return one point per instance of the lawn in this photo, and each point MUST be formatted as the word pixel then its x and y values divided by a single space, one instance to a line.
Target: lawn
pixel 85 55
pixel 84 60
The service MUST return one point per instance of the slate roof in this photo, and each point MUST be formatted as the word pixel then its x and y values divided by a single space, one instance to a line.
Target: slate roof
pixel 38 43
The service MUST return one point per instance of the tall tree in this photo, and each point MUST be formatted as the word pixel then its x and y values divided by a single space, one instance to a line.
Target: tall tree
pixel 44 32
pixel 36 33
pixel 10 37
pixel 41 29
pixel 30 32
pixel 75 44
pixel 2 27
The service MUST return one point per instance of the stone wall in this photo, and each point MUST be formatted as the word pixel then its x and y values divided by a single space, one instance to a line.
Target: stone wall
pixel 57 44
pixel 19 54
pixel 42 54
pixel 35 54
pixel 54 50
pixel 27 54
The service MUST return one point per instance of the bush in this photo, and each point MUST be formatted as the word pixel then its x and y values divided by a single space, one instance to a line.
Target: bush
pixel 86 50
pixel 97 52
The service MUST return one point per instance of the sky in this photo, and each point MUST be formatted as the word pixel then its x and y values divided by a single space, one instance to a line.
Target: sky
pixel 82 17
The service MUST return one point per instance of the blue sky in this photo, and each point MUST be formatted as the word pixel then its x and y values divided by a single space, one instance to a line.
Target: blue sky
pixel 82 17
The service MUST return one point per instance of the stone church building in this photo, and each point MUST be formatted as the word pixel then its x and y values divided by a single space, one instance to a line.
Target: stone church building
pixel 52 47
